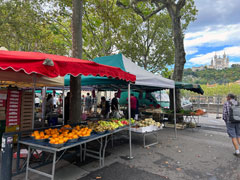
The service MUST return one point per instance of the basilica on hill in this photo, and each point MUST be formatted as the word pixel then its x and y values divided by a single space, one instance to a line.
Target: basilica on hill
pixel 219 62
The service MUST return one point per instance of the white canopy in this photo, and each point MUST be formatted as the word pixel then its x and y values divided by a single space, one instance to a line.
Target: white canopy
pixel 146 78
pixel 143 77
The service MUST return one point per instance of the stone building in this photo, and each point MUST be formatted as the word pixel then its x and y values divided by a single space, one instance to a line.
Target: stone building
pixel 219 62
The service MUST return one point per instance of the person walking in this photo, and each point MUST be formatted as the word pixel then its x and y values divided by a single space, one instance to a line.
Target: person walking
pixel 67 108
pixel 233 129
pixel 88 103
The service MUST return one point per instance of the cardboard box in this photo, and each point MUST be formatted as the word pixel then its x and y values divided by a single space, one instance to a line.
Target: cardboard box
pixel 3 109
pixel 2 117
pixel 13 129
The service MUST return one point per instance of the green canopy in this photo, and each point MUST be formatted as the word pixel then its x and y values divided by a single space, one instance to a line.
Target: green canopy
pixel 188 86
pixel 91 80
pixel 144 79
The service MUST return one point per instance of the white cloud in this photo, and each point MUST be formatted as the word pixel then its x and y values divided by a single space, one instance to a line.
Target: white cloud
pixel 232 62
pixel 202 59
pixel 215 36
pixel 190 51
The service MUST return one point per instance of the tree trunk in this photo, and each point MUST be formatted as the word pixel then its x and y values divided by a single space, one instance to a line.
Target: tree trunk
pixel 180 60
pixel 75 82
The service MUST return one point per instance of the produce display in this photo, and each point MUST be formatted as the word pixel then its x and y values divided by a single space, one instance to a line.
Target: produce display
pixel 68 133
pixel 64 134
pixel 148 122
pixel 197 112
pixel 123 121
pixel 39 135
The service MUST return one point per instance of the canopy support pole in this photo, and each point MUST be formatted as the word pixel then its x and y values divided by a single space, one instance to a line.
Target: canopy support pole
pixel 44 90
pixel 175 115
pixel 129 119
pixel 33 111
pixel 63 105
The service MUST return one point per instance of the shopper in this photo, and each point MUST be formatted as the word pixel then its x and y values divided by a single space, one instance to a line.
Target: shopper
pixel 105 107
pixel 49 104
pixel 233 129
pixel 133 103
pixel 88 103
pixel 114 103
pixel 37 101
pixel 66 108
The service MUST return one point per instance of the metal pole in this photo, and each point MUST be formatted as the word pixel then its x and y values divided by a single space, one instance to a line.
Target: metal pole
pixel 175 115
pixel 7 154
pixel 43 105
pixel 33 111
pixel 63 105
pixel 198 102
pixel 217 115
pixel 129 119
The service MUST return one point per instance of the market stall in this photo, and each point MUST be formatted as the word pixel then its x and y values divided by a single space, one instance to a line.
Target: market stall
pixel 79 139
pixel 145 81
pixel 37 66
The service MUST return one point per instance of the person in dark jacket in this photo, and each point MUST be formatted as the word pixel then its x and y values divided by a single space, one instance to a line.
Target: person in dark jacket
pixel 105 106
pixel 66 108
pixel 114 103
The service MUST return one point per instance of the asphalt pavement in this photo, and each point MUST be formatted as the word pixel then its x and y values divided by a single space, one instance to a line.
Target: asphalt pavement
pixel 200 153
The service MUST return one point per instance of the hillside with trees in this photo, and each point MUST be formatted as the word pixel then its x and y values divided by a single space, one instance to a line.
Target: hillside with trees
pixel 212 76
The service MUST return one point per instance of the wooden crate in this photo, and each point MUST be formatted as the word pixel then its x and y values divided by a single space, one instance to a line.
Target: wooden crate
pixel 26 111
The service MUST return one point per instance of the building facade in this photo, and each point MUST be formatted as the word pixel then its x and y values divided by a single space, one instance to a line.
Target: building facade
pixel 219 62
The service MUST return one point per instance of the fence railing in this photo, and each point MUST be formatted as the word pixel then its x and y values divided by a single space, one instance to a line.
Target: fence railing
pixel 212 104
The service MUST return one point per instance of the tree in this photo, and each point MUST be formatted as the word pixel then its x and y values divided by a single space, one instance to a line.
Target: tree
pixel 147 43
pixel 174 9
pixel 23 27
pixel 75 82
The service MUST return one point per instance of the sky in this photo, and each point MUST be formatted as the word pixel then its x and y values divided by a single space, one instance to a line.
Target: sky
pixel 216 30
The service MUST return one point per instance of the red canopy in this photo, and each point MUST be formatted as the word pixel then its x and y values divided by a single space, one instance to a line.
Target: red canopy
pixel 53 65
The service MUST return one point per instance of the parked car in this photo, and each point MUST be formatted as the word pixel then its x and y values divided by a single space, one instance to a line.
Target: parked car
pixel 155 98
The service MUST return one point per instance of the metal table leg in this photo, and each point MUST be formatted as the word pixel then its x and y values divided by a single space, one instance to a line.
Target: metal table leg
pixel 80 153
pixel 28 159
pixel 104 148
pixel 147 134
pixel 54 164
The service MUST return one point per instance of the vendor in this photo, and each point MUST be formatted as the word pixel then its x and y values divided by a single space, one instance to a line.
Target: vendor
pixel 133 103
pixel 49 104
pixel 114 103
pixel 105 107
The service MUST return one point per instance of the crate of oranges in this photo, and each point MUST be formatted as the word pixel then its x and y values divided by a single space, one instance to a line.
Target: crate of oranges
pixel 84 133
pixel 72 136
pixel 58 141
pixel 40 136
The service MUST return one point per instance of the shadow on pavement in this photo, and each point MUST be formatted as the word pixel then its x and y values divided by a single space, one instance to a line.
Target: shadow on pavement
pixel 118 171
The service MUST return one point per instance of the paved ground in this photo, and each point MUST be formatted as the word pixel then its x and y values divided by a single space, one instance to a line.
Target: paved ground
pixel 205 153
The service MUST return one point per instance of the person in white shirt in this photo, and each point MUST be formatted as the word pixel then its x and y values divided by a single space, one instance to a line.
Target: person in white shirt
pixel 37 101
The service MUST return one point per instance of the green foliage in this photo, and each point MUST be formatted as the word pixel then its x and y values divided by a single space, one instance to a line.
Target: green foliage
pixel 45 26
pixel 212 76
pixel 216 89
pixel 23 27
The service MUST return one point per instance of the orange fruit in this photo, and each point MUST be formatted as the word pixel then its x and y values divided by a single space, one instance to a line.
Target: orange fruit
pixel 75 136
pixel 61 141
pixel 54 135
pixel 37 137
